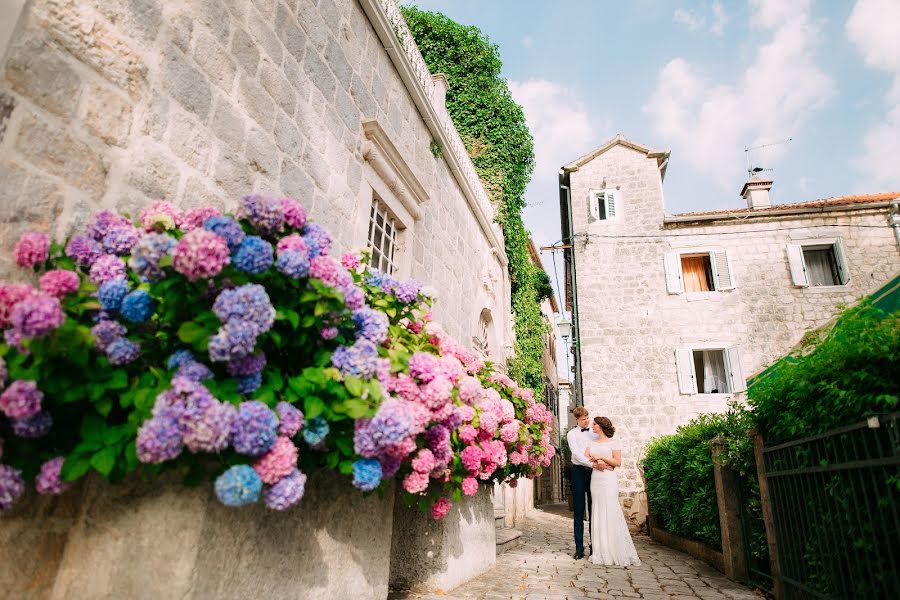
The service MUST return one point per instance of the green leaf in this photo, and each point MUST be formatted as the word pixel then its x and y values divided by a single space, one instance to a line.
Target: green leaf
pixel 92 427
pixel 313 407
pixel 346 467
pixel 118 381
pixel 194 335
pixel 354 385
pixel 104 460
pixel 166 261
pixel 290 316
pixel 104 406
pixel 75 466
pixel 355 408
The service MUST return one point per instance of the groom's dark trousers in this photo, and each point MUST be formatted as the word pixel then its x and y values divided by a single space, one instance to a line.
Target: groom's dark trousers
pixel 581 489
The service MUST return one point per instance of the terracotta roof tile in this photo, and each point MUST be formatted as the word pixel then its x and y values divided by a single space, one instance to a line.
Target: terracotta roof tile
pixel 834 201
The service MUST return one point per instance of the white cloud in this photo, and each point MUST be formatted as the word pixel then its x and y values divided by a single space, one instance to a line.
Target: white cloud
pixel 695 20
pixel 872 28
pixel 720 19
pixel 689 18
pixel 708 123
pixel 527 42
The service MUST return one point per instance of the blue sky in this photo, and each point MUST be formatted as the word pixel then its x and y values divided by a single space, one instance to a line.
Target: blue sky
pixel 704 80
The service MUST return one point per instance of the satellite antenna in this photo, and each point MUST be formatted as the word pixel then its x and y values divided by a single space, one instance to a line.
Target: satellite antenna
pixel 751 170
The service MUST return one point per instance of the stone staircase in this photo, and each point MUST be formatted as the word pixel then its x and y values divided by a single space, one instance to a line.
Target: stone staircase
pixel 507 537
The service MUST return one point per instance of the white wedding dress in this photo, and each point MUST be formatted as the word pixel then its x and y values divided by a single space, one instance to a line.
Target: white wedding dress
pixel 611 542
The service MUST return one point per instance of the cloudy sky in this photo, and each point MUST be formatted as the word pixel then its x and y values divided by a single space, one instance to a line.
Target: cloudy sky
pixel 705 80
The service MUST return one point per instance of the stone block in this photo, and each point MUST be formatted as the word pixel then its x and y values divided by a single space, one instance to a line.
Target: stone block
pixel 214 15
pixel 189 140
pixel 295 182
pixel 290 34
pixel 197 194
pixel 262 155
pixel 181 29
pixel 287 136
pixel 265 37
pixel 58 153
pixel 256 102
pixel 186 83
pixel 228 125
pixel 38 72
pixel 232 173
pixel 153 172
pixel 154 119
pixel 107 115
pixel 317 167
pixel 427 555
pixel 278 87
pixel 308 16
pixel 137 18
pixel 266 8
pixel 39 204
pixel 214 60
pixel 244 50
pixel 320 75
pixel 336 59
pixel 347 109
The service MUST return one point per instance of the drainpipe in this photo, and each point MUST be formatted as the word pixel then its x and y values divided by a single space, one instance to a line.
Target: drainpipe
pixel 565 196
pixel 895 219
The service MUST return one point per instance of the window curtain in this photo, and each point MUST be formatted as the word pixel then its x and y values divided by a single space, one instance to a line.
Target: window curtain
pixel 714 378
pixel 693 271
pixel 820 267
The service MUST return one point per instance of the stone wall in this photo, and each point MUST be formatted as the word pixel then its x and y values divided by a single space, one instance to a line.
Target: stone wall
pixel 631 326
pixel 114 104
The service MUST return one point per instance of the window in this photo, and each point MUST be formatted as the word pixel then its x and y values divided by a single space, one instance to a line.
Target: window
pixel 819 263
pixel 704 271
pixel 382 238
pixel 605 204
pixel 481 341
pixel 709 371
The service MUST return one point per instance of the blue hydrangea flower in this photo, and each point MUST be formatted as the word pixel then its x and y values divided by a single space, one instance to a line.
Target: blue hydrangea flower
pixel 179 357
pixel 373 277
pixel 36 426
pixel 147 253
pixel 358 360
pixel 159 438
pixel 249 383
pixel 226 228
pixel 291 419
pixel 287 492
pixel 122 351
pixel 317 239
pixel 293 263
pixel 366 474
pixel 316 431
pixel 371 325
pixel 238 485
pixel 263 211
pixel 254 429
pixel 236 339
pixel 255 255
pixel 138 306
pixel 111 293
pixel 249 303
pixel 407 291
pixel 194 371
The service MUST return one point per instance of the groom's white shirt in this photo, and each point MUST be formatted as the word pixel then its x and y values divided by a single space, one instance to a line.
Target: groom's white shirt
pixel 578 443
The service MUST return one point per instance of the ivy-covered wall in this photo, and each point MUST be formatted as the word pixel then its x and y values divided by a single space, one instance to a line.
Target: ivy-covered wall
pixel 493 127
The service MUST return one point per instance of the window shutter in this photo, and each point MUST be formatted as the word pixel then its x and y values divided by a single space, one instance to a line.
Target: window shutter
pixel 594 201
pixel 841 260
pixel 721 264
pixel 735 371
pixel 612 198
pixel 684 364
pixel 796 263
pixel 674 282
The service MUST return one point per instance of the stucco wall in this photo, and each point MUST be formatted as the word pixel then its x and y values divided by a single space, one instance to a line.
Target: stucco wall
pixel 201 101
pixel 631 326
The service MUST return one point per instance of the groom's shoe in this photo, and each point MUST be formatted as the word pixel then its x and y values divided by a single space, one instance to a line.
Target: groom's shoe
pixel 579 554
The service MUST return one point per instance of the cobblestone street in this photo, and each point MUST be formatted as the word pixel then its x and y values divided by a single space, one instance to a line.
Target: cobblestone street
pixel 542 567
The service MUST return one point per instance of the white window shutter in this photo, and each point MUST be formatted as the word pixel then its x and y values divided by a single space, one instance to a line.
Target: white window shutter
pixel 721 263
pixel 595 205
pixel 841 260
pixel 735 371
pixel 674 282
pixel 684 364
pixel 797 265
pixel 612 200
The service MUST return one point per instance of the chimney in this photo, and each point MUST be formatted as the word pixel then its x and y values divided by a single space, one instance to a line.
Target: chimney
pixel 756 192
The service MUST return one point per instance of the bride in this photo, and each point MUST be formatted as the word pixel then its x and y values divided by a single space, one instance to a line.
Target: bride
pixel 610 540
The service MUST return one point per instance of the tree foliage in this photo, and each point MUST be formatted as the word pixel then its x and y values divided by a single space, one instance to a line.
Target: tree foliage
pixel 492 125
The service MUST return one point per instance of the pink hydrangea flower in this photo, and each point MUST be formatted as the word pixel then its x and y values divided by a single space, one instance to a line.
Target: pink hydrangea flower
pixel 507 410
pixel 37 315
pixel 469 486
pixel 424 461
pixel 329 333
pixel 350 261
pixel 294 213
pixel 436 393
pixel 200 254
pixel 291 242
pixel 10 295
pixel 451 368
pixel 467 434
pixel 471 458
pixel 49 480
pixel 423 366
pixel 160 214
pixel 107 267
pixel 32 248
pixel 440 509
pixel 470 389
pixel 467 413
pixel 195 217
pixel 278 462
pixel 509 433
pixel 59 282
pixel 328 270
pixel 415 482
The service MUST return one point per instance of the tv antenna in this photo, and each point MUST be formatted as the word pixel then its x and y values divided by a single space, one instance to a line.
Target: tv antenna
pixel 751 170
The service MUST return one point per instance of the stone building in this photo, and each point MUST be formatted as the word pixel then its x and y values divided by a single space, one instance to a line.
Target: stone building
pixel 674 312
pixel 109 105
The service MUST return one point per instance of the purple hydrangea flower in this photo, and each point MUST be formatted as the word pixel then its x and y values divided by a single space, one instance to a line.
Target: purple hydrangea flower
pixel 159 438
pixel 249 383
pixel 111 293
pixel 206 422
pixel 11 486
pixel 389 466
pixel 253 430
pixel 4 373
pixel 354 298
pixel 103 222
pixel 236 339
pixel 317 239
pixel 437 438
pixel 84 250
pixel 147 254
pixel 249 365
pixel 358 360
pixel 371 325
pixel 107 267
pixel 178 357
pixel 263 211
pixel 424 366
pixel 226 228
pixel 37 316
pixel 36 426
pixel 255 255
pixel 21 399
pixel 407 291
pixel 15 340
pixel 194 371
pixel 249 303
pixel 393 423
pixel 315 432
pixel 287 492
pixel 291 419
pixel 137 306
pixel 122 351
pixel 238 486
pixel 106 332
pixel 293 263
pixel 49 480
pixel 120 239
pixel 366 474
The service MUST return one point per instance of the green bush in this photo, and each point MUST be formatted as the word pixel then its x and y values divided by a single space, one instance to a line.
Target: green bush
pixel 837 378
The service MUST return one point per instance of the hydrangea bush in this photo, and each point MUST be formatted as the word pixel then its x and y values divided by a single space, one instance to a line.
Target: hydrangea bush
pixel 236 348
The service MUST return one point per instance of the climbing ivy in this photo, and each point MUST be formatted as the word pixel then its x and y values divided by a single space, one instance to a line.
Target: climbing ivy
pixel 499 143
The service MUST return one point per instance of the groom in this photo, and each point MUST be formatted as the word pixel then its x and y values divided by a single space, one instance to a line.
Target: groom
pixel 579 437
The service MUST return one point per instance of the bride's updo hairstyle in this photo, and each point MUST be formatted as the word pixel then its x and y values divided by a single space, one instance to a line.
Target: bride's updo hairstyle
pixel 605 425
